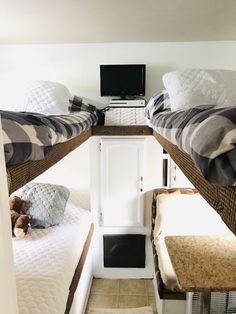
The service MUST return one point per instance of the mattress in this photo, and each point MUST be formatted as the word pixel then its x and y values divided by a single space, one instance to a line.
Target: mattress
pixel 45 261
pixel 182 215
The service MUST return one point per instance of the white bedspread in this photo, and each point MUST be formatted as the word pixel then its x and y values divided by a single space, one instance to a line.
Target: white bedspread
pixel 45 261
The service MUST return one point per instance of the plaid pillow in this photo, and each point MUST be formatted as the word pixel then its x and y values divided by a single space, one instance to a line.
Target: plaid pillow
pixel 157 103
pixel 77 104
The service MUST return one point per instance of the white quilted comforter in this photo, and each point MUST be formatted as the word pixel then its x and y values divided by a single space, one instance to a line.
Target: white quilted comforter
pixel 45 261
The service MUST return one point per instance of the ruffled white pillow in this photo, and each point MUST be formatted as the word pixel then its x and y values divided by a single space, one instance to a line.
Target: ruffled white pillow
pixel 49 98
pixel 197 87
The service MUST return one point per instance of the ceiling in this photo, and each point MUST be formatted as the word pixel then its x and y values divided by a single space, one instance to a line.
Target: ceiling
pixel 97 21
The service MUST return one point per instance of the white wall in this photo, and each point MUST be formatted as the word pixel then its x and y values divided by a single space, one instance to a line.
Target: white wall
pixel 77 65
pixel 72 171
pixel 84 21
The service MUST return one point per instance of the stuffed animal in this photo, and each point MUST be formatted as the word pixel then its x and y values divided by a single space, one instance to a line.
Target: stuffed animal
pixel 15 203
pixel 19 222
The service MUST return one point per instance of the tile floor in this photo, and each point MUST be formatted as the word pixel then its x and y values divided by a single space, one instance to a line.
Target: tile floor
pixel 122 293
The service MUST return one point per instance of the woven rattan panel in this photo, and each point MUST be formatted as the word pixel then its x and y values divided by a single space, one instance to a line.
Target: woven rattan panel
pixel 222 199
pixel 21 174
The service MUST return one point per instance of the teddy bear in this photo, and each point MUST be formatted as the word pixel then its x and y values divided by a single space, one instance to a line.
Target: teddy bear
pixel 19 222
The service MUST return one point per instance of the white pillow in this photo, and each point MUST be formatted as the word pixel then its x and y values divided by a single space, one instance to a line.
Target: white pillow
pixel 186 214
pixel 197 87
pixel 49 98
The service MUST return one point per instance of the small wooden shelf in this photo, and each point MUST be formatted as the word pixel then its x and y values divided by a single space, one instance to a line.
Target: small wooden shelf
pixel 122 130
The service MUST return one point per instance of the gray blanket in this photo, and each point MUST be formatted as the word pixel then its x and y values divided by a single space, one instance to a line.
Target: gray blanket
pixel 31 136
pixel 207 134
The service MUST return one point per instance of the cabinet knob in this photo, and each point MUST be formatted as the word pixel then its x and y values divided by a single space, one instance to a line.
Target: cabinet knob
pixel 141 184
pixel 174 174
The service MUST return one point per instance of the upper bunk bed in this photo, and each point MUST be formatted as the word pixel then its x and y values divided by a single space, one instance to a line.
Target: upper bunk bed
pixel 41 127
pixel 34 142
pixel 194 120
pixel 46 126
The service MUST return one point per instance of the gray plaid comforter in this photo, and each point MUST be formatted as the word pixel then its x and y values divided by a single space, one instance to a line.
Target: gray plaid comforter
pixel 207 134
pixel 31 136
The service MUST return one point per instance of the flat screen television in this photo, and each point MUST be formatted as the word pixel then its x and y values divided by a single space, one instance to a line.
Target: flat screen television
pixel 123 80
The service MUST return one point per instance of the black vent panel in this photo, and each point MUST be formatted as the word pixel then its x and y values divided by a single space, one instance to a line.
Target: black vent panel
pixel 124 250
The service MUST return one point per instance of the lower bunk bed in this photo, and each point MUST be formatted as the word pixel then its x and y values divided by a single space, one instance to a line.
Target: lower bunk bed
pixel 183 212
pixel 50 263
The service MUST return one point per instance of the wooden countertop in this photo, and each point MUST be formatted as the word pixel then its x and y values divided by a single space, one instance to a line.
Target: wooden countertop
pixel 203 263
pixel 122 130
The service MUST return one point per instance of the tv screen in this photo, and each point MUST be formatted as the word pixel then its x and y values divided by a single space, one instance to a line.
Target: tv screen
pixel 122 80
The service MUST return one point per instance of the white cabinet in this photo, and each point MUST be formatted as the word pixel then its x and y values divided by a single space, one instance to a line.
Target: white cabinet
pixel 122 175
pixel 124 172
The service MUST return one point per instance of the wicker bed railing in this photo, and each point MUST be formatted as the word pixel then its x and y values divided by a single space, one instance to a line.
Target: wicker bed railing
pixel 21 174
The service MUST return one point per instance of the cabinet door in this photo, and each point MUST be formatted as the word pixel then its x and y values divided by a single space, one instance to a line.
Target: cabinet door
pixel 121 181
